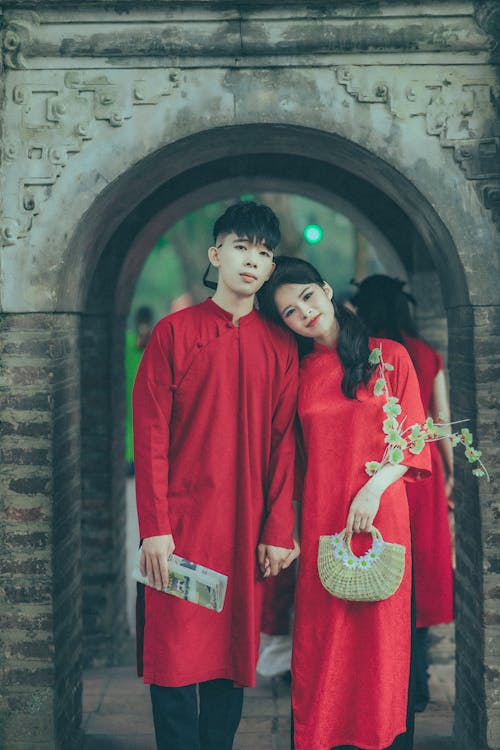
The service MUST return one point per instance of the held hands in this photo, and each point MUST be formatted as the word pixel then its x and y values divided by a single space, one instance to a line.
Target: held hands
pixel 154 559
pixel 274 559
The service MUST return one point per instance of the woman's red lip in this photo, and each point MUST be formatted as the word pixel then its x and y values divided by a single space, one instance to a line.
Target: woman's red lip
pixel 314 320
pixel 248 276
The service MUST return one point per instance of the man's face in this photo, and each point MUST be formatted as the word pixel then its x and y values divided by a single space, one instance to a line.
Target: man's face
pixel 244 265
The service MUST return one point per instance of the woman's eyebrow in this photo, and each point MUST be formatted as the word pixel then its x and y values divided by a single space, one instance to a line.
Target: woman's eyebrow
pixel 304 291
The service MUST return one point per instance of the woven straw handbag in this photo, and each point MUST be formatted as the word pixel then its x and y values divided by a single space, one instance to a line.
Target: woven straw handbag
pixel 370 578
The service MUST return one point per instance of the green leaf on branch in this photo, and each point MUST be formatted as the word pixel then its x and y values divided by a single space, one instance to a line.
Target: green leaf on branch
pixel 392 407
pixel 472 455
pixel 396 456
pixel 431 428
pixel 375 356
pixel 392 437
pixel 418 446
pixel 415 431
pixel 398 438
pixel 390 424
pixel 467 436
pixel 371 467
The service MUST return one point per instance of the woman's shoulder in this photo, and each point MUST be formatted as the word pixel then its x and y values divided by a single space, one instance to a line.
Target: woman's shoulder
pixel 391 350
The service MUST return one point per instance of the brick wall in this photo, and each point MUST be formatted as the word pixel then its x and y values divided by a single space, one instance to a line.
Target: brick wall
pixel 474 359
pixel 103 493
pixel 40 664
pixel 487 372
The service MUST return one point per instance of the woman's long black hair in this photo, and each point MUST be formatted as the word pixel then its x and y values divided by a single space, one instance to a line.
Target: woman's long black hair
pixel 352 345
pixel 384 307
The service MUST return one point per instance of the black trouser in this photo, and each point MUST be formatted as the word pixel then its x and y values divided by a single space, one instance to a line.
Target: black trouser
pixel 180 726
pixel 421 666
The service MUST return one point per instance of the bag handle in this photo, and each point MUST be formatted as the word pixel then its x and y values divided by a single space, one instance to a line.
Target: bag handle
pixel 372 530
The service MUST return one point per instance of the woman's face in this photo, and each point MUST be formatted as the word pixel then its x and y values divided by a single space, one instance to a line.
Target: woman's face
pixel 308 311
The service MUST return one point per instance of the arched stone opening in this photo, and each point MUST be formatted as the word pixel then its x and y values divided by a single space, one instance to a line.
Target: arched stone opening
pixel 103 104
pixel 398 219
pixel 91 287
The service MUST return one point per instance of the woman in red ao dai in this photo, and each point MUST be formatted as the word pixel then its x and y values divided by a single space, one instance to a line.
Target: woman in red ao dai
pixel 350 663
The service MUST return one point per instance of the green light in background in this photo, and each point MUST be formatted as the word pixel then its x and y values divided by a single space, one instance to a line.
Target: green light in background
pixel 313 234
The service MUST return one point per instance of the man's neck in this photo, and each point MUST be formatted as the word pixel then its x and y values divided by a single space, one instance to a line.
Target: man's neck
pixel 238 306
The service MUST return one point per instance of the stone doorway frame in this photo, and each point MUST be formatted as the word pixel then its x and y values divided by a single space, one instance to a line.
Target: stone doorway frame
pixel 104 318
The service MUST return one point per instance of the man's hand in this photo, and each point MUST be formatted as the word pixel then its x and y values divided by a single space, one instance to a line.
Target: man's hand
pixel 154 559
pixel 273 559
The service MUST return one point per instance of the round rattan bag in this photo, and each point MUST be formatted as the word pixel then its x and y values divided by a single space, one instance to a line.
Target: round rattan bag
pixel 370 578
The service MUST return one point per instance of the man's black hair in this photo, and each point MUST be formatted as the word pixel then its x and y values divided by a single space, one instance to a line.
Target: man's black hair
pixel 249 220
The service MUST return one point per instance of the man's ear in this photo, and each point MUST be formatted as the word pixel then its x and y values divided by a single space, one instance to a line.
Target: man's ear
pixel 328 290
pixel 273 266
pixel 213 256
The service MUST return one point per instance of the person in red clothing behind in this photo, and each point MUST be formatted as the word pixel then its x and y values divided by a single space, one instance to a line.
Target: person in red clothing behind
pixel 350 660
pixel 384 306
pixel 214 407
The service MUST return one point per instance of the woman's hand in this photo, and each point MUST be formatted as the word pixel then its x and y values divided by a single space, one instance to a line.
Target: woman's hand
pixel 363 509
pixel 365 505
pixel 292 555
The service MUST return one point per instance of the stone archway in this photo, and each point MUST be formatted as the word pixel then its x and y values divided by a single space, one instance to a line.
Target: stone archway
pixel 108 119
pixel 125 252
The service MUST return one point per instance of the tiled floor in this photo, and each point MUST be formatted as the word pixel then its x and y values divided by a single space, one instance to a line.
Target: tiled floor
pixel 117 714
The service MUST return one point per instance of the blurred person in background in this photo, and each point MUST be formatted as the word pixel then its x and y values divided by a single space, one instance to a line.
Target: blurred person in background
pixel 384 307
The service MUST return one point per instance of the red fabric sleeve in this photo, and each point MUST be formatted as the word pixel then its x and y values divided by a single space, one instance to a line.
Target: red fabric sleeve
pixel 404 385
pixel 280 517
pixel 152 406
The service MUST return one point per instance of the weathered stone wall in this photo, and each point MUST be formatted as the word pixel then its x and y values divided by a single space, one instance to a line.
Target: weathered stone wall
pixel 40 531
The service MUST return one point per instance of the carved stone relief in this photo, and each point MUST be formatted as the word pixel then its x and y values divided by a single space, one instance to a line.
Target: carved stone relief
pixel 50 123
pixel 463 114
pixel 54 121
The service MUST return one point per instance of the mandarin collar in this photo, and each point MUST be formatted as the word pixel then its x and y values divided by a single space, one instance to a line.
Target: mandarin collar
pixel 324 349
pixel 227 315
